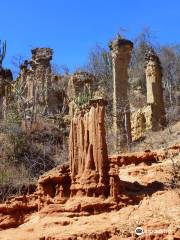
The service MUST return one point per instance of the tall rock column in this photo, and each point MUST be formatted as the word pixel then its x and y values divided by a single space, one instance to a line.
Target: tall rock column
pixel 121 55
pixel 41 67
pixel 155 100
pixel 88 151
pixel 42 92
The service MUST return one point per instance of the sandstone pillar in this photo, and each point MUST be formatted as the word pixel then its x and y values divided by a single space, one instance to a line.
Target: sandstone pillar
pixel 43 94
pixel 121 55
pixel 153 72
pixel 41 66
pixel 88 151
pixel 35 81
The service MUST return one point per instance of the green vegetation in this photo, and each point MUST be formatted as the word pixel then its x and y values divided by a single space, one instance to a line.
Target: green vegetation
pixel 83 98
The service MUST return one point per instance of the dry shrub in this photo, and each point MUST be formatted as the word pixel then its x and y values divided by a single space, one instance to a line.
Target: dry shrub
pixel 175 183
pixel 14 179
pixel 27 154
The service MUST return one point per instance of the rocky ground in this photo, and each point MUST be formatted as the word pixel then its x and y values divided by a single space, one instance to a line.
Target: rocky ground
pixel 150 199
pixel 158 215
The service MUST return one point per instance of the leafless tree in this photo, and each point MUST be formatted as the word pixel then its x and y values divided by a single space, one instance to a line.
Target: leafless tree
pixel 16 61
pixel 170 59
pixel 100 65
pixel 142 42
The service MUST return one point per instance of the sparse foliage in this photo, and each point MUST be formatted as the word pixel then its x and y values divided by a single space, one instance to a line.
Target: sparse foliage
pixel 83 98
pixel 142 43
pixel 100 65
pixel 170 59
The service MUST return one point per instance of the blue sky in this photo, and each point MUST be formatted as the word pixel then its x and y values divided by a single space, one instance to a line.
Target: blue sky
pixel 73 27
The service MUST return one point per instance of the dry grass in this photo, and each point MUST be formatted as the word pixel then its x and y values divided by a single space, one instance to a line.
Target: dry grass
pixel 25 155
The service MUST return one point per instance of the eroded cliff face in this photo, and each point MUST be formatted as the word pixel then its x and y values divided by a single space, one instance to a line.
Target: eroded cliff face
pixel 50 212
pixel 92 182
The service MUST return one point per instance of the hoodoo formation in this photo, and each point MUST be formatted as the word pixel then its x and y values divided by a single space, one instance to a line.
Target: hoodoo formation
pixel 88 151
pixel 93 186
pixel 121 55
pixel 154 89
pixel 42 95
pixel 40 92
pixel 152 115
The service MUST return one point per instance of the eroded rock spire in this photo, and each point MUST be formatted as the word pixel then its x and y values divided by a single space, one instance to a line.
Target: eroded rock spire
pixel 153 71
pixel 121 55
